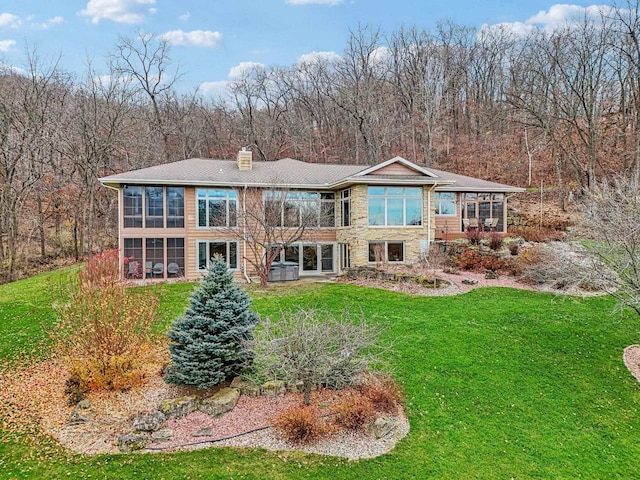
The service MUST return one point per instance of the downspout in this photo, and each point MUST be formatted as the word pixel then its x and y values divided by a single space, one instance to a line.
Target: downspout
pixel 244 234
pixel 429 217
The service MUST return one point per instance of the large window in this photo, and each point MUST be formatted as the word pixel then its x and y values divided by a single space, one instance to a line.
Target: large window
pixel 395 206
pixel 299 208
pixel 175 207
pixel 208 250
pixel 153 257
pixel 445 203
pixel 345 208
pixel 151 200
pixel 217 208
pixel 132 206
pixel 386 251
pixel 483 206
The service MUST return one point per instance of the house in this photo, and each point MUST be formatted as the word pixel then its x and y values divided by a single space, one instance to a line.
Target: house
pixel 173 218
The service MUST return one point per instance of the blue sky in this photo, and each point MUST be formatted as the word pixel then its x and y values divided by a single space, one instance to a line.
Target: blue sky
pixel 212 39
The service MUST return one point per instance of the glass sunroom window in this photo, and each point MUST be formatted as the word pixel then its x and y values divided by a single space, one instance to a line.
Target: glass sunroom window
pixel 217 208
pixel 445 203
pixel 395 206
pixel 132 206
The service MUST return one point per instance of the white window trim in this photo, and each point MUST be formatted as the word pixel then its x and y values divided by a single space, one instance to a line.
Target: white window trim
pixel 404 198
pixel 222 227
pixel 438 202
pixel 207 242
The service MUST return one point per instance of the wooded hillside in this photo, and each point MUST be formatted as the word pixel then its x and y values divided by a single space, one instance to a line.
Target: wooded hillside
pixel 561 106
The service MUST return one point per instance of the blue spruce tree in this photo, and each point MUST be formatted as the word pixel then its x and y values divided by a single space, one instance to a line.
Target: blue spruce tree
pixel 208 341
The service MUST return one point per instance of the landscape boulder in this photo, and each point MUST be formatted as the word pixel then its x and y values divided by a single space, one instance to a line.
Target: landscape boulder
pixel 246 387
pixel 132 442
pixel 179 407
pixel 82 413
pixel 163 435
pixel 383 427
pixel 224 400
pixel 150 422
pixel 273 388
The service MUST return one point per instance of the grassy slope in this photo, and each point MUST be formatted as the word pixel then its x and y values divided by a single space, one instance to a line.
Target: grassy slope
pixel 500 383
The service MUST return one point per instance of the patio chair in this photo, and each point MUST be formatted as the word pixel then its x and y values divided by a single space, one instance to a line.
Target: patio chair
pixel 494 224
pixel 148 268
pixel 158 269
pixel 173 269
pixel 473 224
pixel 488 222
pixel 133 271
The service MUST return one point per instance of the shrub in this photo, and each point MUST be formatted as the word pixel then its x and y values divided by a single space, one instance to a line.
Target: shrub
pixel 354 411
pixel 301 424
pixel 474 235
pixel 104 326
pixel 209 340
pixel 384 393
pixel 476 261
pixel 75 389
pixel 316 348
pixel 496 240
pixel 514 248
pixel 535 234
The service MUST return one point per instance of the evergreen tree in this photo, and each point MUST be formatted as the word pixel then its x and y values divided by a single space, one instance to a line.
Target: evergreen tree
pixel 208 343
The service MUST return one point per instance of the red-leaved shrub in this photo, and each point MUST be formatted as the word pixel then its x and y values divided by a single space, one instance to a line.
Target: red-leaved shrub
pixel 301 424
pixel 354 411
pixel 384 393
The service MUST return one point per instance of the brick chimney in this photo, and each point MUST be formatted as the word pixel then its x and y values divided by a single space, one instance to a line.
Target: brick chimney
pixel 245 159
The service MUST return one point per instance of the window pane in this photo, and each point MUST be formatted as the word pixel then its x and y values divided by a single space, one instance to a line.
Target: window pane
pixel 376 211
pixel 395 212
pixel 233 255
pixel 445 196
pixel 202 213
pixel 414 211
pixel 154 252
pixel 217 249
pixel 202 255
pixel 133 257
pixel 346 213
pixel 327 215
pixel 327 258
pixel 175 257
pixel 217 213
pixel 154 200
pixel 132 206
pixel 292 254
pixel 376 252
pixel 376 190
pixel 394 252
pixel 233 213
pixel 175 207
pixel 396 191
pixel 310 257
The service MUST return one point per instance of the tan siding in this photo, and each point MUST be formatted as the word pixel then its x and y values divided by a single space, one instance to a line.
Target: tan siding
pixel 447 225
pixel 397 169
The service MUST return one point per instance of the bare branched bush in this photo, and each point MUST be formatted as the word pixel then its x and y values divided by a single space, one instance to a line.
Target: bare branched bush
pixel 560 267
pixel 613 217
pixel 316 347
pixel 104 327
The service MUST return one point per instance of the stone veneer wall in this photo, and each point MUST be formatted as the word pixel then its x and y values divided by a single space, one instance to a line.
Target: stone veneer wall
pixel 360 233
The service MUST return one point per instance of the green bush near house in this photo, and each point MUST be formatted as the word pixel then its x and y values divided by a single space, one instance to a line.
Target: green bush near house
pixel 499 383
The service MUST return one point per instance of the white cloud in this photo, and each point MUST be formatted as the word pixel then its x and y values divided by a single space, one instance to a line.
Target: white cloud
pixel 9 20
pixel 380 54
pixel 10 68
pixel 244 67
pixel 50 22
pixel 518 28
pixel 322 57
pixel 119 11
pixel 214 89
pixel 195 38
pixel 6 45
pixel 185 16
pixel 313 2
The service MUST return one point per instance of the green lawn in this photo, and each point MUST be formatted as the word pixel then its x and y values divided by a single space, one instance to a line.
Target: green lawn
pixel 500 383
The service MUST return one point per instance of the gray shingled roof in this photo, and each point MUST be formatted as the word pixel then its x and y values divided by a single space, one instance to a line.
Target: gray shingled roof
pixel 287 171
pixel 471 184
